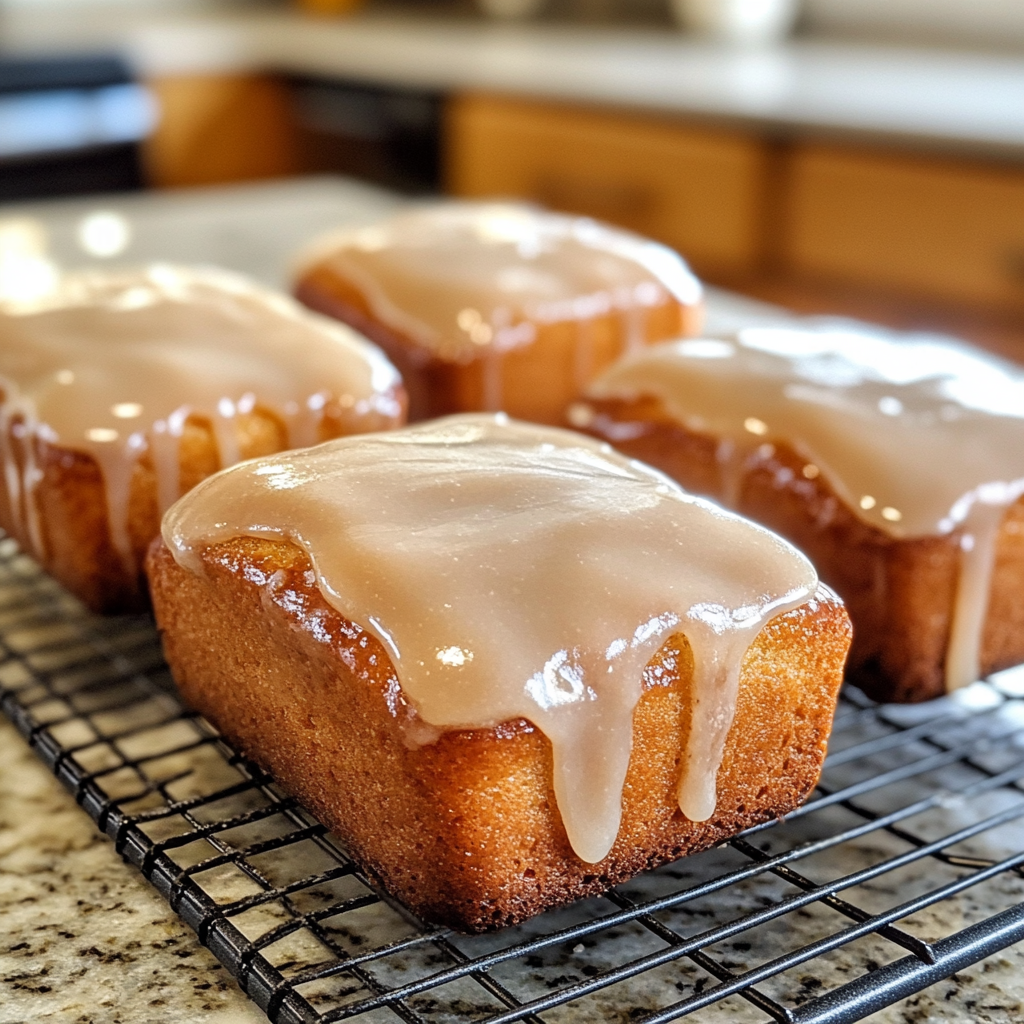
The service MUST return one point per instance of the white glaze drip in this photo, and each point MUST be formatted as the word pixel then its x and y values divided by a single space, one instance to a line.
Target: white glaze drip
pixel 462 279
pixel 977 560
pixel 918 436
pixel 21 471
pixel 716 679
pixel 531 573
pixel 164 441
pixel 114 364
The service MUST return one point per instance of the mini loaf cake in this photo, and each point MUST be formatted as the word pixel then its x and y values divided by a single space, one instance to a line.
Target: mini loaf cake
pixel 486 306
pixel 896 465
pixel 510 667
pixel 120 391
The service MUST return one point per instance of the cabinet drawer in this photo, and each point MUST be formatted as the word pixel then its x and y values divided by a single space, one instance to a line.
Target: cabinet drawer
pixel 220 128
pixel 696 189
pixel 942 228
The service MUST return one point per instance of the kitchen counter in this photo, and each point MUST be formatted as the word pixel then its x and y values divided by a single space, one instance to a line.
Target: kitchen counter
pixel 86 940
pixel 85 937
pixel 959 101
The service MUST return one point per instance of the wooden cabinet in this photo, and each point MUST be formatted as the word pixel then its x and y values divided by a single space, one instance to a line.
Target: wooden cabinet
pixel 924 226
pixel 220 128
pixel 697 189
pixel 747 210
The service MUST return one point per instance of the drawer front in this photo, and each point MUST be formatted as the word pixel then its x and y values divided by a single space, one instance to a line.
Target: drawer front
pixel 695 189
pixel 221 128
pixel 932 227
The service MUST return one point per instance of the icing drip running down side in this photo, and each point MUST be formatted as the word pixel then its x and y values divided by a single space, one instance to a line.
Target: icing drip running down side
pixel 918 436
pixel 467 281
pixel 113 365
pixel 531 573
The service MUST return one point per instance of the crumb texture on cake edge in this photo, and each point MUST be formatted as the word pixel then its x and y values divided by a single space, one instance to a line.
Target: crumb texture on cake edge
pixel 465 830
pixel 532 377
pixel 88 508
pixel 900 593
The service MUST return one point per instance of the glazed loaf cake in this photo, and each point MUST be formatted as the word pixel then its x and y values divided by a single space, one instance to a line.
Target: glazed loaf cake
pixel 480 751
pixel 486 306
pixel 118 392
pixel 896 465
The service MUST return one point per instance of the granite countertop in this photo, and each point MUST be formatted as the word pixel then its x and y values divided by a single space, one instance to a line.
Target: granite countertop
pixel 85 938
pixel 955 100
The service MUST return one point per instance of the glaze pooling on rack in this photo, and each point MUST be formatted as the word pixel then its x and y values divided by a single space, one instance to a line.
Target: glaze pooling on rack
pixel 113 365
pixel 531 573
pixel 468 281
pixel 918 436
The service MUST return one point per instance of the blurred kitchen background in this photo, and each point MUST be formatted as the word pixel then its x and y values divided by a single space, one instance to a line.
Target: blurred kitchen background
pixel 861 157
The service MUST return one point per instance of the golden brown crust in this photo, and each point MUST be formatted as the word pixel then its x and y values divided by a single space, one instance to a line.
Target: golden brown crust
pixel 899 593
pixel 465 829
pixel 537 380
pixel 71 501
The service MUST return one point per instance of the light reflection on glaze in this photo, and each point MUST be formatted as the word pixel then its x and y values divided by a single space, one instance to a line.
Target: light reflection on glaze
pixel 462 279
pixel 113 365
pixel 918 436
pixel 532 573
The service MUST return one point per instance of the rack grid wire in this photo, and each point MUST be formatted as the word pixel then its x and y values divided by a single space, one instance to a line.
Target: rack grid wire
pixel 906 865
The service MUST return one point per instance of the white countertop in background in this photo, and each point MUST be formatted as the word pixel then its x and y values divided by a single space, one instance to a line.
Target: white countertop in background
pixel 256 229
pixel 965 101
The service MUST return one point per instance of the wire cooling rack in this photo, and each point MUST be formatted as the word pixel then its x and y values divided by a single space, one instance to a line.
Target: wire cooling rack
pixel 905 866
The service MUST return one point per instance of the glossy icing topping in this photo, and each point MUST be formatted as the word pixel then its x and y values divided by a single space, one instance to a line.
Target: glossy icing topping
pixel 514 571
pixel 918 436
pixel 462 279
pixel 114 364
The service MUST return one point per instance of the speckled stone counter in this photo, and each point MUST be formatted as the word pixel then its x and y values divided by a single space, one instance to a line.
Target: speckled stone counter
pixel 83 937
pixel 86 940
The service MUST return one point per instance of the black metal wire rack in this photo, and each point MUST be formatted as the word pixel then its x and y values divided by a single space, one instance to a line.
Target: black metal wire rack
pixel 906 866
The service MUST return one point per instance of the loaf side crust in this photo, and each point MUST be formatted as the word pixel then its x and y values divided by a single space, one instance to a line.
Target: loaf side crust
pixel 72 504
pixel 899 592
pixel 465 830
pixel 537 380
